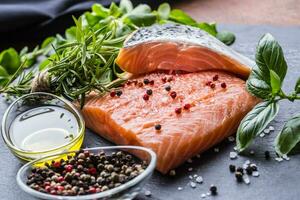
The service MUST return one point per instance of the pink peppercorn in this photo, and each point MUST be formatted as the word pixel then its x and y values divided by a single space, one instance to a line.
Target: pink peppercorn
pixel 223 85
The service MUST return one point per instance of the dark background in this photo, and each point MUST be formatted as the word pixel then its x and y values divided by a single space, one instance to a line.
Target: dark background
pixel 28 22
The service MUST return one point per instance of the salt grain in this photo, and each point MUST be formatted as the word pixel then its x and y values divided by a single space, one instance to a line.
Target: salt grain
pixel 235 148
pixel 216 150
pixel 191 177
pixel 231 139
pixel 190 169
pixel 179 188
pixel 252 152
pixel 267 131
pixel 255 174
pixel 279 159
pixel 190 160
pixel 246 179
pixel 172 172
pixel 198 155
pixel 148 193
pixel 271 128
pixel 233 155
pixel 199 179
pixel 285 157
pixel 193 184
pixel 203 195
pixel 262 135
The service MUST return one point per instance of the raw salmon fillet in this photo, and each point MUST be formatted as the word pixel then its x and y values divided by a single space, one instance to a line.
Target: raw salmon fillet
pixel 179 47
pixel 214 113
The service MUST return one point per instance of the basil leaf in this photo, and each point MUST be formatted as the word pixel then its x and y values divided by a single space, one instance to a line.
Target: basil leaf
pixel 164 11
pixel 275 82
pixel 269 56
pixel 126 6
pixel 297 86
pixel 257 86
pixel 10 60
pixel 141 9
pixel 255 122
pixel 142 19
pixel 181 17
pixel 71 34
pixel 226 37
pixel 209 28
pixel 114 10
pixel 289 137
pixel 100 11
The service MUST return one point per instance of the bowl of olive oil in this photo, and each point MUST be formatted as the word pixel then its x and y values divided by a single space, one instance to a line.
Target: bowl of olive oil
pixel 40 124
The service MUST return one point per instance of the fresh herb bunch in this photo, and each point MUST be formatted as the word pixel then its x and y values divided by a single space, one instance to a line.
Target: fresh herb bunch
pixel 265 82
pixel 83 60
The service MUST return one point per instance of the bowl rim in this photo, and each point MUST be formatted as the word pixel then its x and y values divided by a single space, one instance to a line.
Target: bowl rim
pixel 75 112
pixel 150 168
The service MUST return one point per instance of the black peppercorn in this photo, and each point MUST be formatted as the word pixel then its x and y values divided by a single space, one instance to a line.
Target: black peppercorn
pixel 240 169
pixel 119 93
pixel 232 168
pixel 149 92
pixel 267 155
pixel 157 127
pixel 249 170
pixel 146 81
pixel 168 88
pixel 213 190
pixel 239 176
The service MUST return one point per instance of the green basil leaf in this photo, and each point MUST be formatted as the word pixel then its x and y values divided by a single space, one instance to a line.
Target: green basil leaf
pixel 4 76
pixel 164 11
pixel 10 60
pixel 126 6
pixel 182 18
pixel 289 137
pixel 257 86
pixel 209 28
pixel 114 10
pixel 100 11
pixel 297 86
pixel 269 56
pixel 141 9
pixel 47 42
pixel 226 37
pixel 70 33
pixel 255 122
pixel 23 51
pixel 275 82
pixel 91 18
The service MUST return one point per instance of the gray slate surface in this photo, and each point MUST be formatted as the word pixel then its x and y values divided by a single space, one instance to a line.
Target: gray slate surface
pixel 278 181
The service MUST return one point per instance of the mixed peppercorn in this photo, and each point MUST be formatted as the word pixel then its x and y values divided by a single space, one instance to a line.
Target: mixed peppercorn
pixel 85 173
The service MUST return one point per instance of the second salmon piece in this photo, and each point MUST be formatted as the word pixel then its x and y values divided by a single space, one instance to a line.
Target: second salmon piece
pixel 179 47
pixel 208 107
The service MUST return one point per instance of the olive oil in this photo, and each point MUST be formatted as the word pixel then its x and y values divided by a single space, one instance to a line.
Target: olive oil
pixel 43 129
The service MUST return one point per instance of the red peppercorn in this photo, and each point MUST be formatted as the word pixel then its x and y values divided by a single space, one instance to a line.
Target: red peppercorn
pixel 187 106
pixel 140 84
pixel 92 190
pixel 173 94
pixel 151 82
pixel 212 85
pixel 170 79
pixel 48 188
pixel 113 94
pixel 216 77
pixel 60 179
pixel 53 192
pixel 177 110
pixel 60 188
pixel 92 171
pixel 69 168
pixel 56 164
pixel 223 85
pixel 208 83
pixel 146 97
pixel 164 79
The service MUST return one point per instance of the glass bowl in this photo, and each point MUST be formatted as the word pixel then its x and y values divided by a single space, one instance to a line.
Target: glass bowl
pixel 127 191
pixel 39 104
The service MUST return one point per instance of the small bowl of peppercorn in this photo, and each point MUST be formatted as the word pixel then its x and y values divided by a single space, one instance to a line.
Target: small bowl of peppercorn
pixel 94 173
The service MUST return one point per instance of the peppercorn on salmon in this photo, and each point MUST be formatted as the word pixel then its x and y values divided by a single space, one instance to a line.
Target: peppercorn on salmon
pixel 177 116
pixel 179 47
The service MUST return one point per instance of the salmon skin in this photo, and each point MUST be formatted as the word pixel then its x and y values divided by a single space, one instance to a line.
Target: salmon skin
pixel 212 105
pixel 179 47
